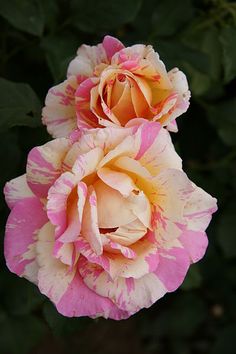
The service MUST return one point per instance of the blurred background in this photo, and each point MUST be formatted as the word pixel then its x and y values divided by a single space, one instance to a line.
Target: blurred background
pixel 37 40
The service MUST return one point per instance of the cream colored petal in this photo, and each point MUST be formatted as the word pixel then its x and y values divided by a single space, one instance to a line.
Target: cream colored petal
pixel 90 230
pixel 113 209
pixel 124 110
pixel 140 206
pixel 161 154
pixel 125 148
pixel 139 102
pixel 131 165
pixel 87 163
pixel 106 139
pixel 59 112
pixel 178 80
pixel 117 91
pixel 173 190
pixel 199 208
pixel 117 180
pixel 16 190
pixel 159 67
pixel 88 57
pixel 54 276
pixel 129 233
pixel 65 254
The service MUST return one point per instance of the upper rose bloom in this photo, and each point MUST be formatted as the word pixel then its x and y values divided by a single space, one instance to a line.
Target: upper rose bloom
pixel 108 223
pixel 109 85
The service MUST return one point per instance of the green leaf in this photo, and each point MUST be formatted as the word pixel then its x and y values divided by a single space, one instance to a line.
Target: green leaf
pixel 176 53
pixel 192 61
pixel 19 105
pixel 223 117
pixel 59 50
pixel 97 16
pixel 211 46
pixel 228 38
pixel 51 13
pixel 193 279
pixel 25 15
pixel 142 23
pixel 205 80
pixel 199 83
pixel 168 18
pixel 226 231
pixel 207 41
pixel 9 146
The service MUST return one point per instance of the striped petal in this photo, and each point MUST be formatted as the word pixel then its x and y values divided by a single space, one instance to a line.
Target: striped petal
pixel 90 230
pixel 58 196
pixel 79 300
pixel 17 190
pixel 111 45
pixel 59 111
pixel 44 165
pixel 54 276
pixel 131 294
pixel 146 259
pixel 23 224
pixel 199 209
pixel 117 180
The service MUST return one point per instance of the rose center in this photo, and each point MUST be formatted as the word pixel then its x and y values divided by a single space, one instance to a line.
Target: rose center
pixel 107 230
pixel 121 77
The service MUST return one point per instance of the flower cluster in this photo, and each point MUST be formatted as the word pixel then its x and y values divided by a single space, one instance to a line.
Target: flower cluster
pixel 105 221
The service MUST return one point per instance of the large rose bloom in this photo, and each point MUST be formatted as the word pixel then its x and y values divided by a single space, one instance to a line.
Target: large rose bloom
pixel 109 85
pixel 107 223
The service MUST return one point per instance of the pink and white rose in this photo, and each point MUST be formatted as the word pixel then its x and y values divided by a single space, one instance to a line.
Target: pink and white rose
pixel 110 85
pixel 107 223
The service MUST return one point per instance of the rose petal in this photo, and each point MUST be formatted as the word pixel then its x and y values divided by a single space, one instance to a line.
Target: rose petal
pixel 57 201
pixel 16 190
pixel 23 225
pixel 199 209
pixel 113 209
pixel 79 300
pixel 59 111
pixel 195 243
pixel 117 180
pixel 44 165
pixel 127 293
pixel 111 45
pixel 88 57
pixel 86 164
pixel 85 118
pixel 129 233
pixel 134 294
pixel 54 276
pixel 156 150
pixel 90 229
pixel 145 261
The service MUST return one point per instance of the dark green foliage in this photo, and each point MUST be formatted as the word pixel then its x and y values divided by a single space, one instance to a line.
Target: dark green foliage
pixel 104 15
pixel 37 40
pixel 25 15
pixel 19 105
